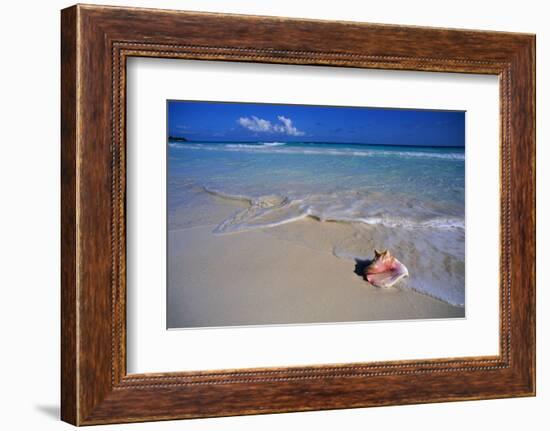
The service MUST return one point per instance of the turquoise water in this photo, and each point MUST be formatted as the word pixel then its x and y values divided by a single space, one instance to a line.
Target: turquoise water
pixel 408 198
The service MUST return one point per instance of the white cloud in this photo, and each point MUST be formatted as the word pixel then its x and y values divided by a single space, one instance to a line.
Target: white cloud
pixel 260 125
pixel 287 127
pixel 256 124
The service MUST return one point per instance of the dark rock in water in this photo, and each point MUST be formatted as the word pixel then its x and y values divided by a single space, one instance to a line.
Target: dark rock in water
pixel 385 270
pixel 177 138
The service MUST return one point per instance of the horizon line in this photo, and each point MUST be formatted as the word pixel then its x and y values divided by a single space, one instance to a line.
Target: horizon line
pixel 308 142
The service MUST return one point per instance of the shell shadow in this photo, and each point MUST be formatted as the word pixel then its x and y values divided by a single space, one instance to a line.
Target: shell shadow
pixel 360 265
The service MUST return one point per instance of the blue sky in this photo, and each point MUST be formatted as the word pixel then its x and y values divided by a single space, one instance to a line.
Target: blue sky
pixel 252 122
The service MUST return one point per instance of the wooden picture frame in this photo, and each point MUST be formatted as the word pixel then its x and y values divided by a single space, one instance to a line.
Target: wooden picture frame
pixel 95 43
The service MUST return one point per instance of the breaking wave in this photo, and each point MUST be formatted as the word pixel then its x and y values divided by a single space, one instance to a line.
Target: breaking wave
pixel 283 148
pixel 351 207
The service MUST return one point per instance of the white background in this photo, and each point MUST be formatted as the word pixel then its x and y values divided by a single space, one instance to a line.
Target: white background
pixel 153 349
pixel 29 218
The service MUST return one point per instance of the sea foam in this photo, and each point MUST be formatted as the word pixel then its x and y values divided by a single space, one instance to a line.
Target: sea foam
pixel 344 207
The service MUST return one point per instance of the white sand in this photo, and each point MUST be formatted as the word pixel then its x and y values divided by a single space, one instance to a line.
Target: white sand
pixel 262 277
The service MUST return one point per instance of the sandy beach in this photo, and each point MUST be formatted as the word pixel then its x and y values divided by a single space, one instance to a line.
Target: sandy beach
pixel 281 275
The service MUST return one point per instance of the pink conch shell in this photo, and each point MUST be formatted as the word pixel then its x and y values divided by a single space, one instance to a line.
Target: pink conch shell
pixel 385 270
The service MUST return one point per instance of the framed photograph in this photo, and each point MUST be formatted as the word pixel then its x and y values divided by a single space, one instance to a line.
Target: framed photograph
pixel 264 214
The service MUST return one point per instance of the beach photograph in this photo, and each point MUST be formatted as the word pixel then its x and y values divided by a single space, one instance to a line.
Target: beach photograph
pixel 281 214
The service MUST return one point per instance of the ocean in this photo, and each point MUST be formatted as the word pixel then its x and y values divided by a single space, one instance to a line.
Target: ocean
pixel 406 199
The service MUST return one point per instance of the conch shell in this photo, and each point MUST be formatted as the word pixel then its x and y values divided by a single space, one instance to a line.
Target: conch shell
pixel 385 270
